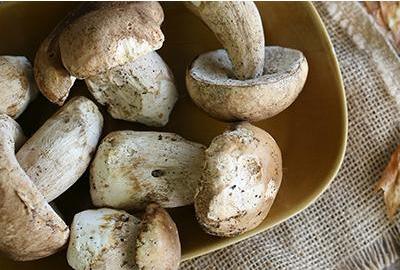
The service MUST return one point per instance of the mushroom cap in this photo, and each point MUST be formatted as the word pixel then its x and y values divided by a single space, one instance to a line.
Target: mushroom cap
pixel 30 228
pixel 238 26
pixel 241 177
pixel 103 239
pixel 59 152
pixel 141 91
pixel 210 85
pixel 106 37
pixel 132 169
pixel 53 80
pixel 157 244
pixel 17 86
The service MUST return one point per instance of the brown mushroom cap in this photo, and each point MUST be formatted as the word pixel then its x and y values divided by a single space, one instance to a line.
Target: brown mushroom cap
pixel 107 37
pixel 210 85
pixel 53 80
pixel 241 177
pixel 157 244
pixel 30 229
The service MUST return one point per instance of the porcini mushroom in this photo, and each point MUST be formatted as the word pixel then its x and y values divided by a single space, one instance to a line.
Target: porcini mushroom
pixel 241 177
pixel 59 152
pixel 247 81
pixel 132 169
pixel 141 91
pixel 53 80
pixel 157 244
pixel 17 86
pixel 103 239
pixel 212 88
pixel 30 229
pixel 238 26
pixel 108 37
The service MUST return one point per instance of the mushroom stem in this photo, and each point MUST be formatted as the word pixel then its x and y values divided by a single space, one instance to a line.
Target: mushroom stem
pixel 238 26
pixel 30 229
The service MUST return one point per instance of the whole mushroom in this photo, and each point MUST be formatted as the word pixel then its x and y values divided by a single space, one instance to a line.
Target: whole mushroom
pixel 132 169
pixel 113 239
pixel 30 228
pixel 17 86
pixel 111 45
pixel 214 82
pixel 239 182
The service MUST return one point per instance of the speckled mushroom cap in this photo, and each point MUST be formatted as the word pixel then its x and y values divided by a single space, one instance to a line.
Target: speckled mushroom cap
pixel 238 26
pixel 30 228
pixel 107 37
pixel 240 179
pixel 17 86
pixel 211 85
pixel 157 244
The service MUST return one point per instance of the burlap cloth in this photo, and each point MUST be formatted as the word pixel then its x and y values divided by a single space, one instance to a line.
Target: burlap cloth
pixel 347 227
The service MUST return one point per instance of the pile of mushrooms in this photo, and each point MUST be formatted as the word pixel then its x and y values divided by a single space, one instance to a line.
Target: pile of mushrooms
pixel 111 46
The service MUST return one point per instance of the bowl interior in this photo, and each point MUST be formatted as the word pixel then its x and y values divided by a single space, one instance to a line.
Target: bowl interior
pixel 311 133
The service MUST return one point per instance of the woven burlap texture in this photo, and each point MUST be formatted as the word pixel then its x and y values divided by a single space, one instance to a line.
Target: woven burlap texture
pixel 347 226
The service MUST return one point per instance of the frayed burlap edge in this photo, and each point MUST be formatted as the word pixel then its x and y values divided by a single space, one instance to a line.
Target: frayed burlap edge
pixel 367 35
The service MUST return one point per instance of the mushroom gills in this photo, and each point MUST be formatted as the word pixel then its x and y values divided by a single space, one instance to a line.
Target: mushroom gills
pixel 132 169
pixel 17 85
pixel 211 86
pixel 140 91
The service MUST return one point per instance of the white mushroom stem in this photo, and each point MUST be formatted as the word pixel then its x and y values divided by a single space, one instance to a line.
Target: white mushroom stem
pixel 30 229
pixel 132 169
pixel 17 86
pixel 211 87
pixel 58 153
pixel 103 239
pixel 238 26
pixel 140 91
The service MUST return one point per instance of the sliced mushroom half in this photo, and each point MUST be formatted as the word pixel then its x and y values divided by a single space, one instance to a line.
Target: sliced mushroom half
pixel 17 86
pixel 59 152
pixel 30 229
pixel 213 88
pixel 241 177
pixel 132 169
pixel 140 91
pixel 238 26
